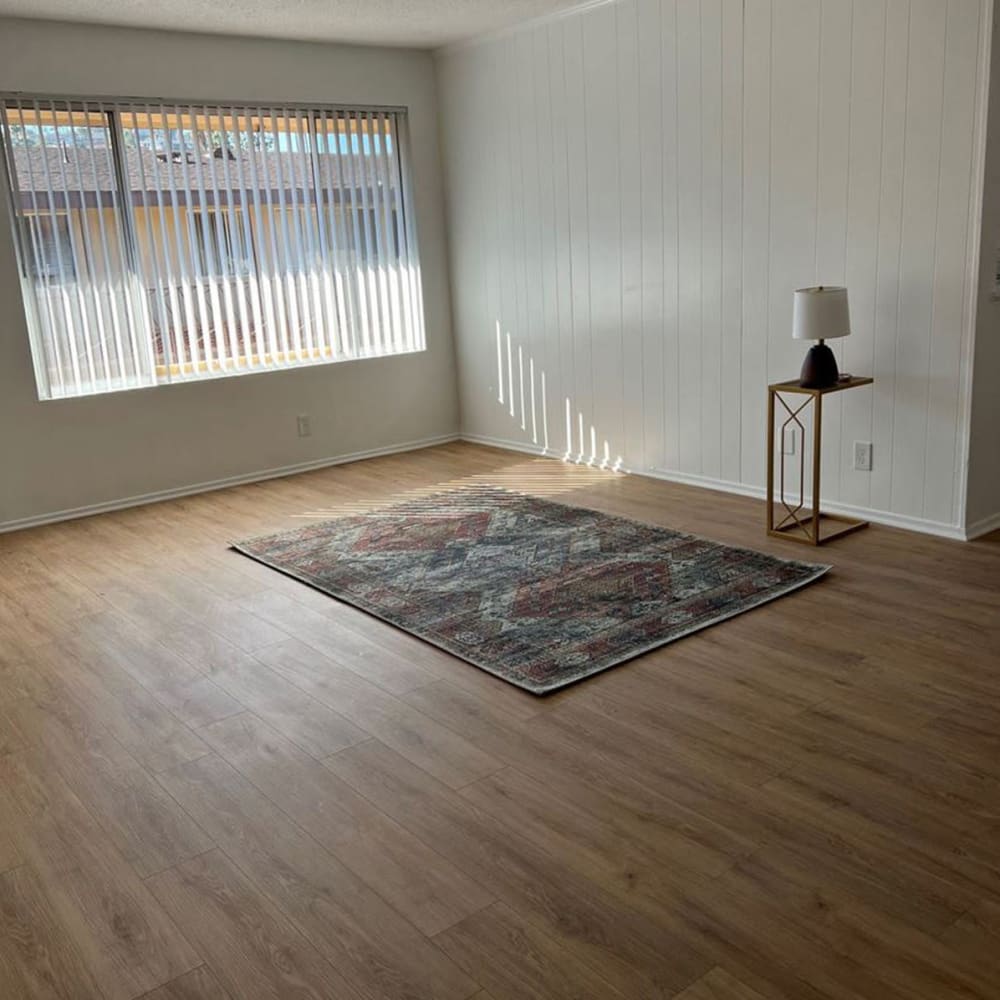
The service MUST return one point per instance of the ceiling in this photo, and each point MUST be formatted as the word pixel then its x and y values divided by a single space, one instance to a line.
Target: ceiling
pixel 419 23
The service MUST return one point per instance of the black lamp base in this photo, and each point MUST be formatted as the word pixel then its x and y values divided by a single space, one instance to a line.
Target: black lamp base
pixel 819 370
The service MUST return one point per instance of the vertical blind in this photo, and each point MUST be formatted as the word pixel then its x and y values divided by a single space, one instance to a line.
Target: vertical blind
pixel 162 243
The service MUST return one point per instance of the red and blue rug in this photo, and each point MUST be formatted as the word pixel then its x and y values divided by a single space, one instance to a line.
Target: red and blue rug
pixel 536 592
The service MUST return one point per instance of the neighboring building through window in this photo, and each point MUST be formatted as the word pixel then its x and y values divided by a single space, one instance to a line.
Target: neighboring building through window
pixel 52 247
pixel 222 248
pixel 161 243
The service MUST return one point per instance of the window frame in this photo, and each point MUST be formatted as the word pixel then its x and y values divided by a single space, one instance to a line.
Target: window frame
pixel 112 109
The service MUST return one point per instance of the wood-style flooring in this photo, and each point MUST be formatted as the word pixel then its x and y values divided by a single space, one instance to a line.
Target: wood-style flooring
pixel 218 783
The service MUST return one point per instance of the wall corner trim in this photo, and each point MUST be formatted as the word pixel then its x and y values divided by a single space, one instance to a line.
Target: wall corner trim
pixel 974 248
pixel 983 526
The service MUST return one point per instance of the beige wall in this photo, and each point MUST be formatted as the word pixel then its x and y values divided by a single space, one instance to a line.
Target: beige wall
pixel 61 455
pixel 983 505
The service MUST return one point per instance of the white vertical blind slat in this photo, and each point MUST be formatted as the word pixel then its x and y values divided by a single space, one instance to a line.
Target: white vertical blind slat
pixel 96 302
pixel 311 195
pixel 389 229
pixel 361 162
pixel 218 234
pixel 137 344
pixel 277 224
pixel 374 229
pixel 202 248
pixel 153 249
pixel 77 261
pixel 109 287
pixel 181 319
pixel 381 198
pixel 358 246
pixel 251 284
pixel 32 305
pixel 64 291
pixel 239 249
pixel 331 224
pixel 187 253
pixel 49 335
pixel 339 231
pixel 297 219
pixel 411 259
pixel 266 248
pixel 280 221
pixel 332 324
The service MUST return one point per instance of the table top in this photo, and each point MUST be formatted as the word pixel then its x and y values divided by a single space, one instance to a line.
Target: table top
pixel 792 385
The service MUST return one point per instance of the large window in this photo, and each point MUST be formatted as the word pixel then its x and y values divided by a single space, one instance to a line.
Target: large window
pixel 162 243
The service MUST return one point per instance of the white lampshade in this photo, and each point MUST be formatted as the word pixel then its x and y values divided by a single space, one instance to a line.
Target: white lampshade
pixel 820 313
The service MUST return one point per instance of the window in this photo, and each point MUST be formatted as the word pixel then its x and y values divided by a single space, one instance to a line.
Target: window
pixel 49 236
pixel 161 243
pixel 220 248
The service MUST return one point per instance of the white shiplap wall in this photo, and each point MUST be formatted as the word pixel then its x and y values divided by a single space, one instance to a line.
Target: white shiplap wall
pixel 635 190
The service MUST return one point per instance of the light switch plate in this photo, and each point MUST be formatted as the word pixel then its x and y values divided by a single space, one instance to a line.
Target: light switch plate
pixel 788 440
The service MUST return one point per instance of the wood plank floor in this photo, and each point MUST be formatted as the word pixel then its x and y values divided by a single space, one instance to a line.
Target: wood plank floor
pixel 218 783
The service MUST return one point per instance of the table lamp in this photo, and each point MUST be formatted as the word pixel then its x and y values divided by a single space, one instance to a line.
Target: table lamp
pixel 820 314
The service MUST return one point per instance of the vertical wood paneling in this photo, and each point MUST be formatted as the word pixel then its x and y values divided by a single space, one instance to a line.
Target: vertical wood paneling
pixel 832 167
pixel 505 262
pixel 756 235
pixel 517 305
pixel 940 492
pixel 690 359
pixel 924 94
pixel 710 50
pixel 888 290
pixel 863 228
pixel 578 168
pixel 604 199
pixel 562 236
pixel 532 359
pixel 652 97
pixel 795 129
pixel 670 372
pixel 731 388
pixel 653 179
pixel 630 173
pixel 549 374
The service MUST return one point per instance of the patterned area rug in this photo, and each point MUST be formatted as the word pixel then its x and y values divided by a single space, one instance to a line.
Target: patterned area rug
pixel 538 593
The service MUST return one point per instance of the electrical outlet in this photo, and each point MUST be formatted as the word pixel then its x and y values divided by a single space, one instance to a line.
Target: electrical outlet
pixel 788 441
pixel 302 420
pixel 863 456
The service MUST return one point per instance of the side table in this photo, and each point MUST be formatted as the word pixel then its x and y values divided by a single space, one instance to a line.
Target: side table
pixel 797 524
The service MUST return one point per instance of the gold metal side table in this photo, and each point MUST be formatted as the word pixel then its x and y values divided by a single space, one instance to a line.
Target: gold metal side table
pixel 797 524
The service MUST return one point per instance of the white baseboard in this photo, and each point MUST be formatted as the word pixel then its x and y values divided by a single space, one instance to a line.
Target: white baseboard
pixel 923 525
pixel 879 517
pixel 73 513
pixel 504 445
pixel 983 526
